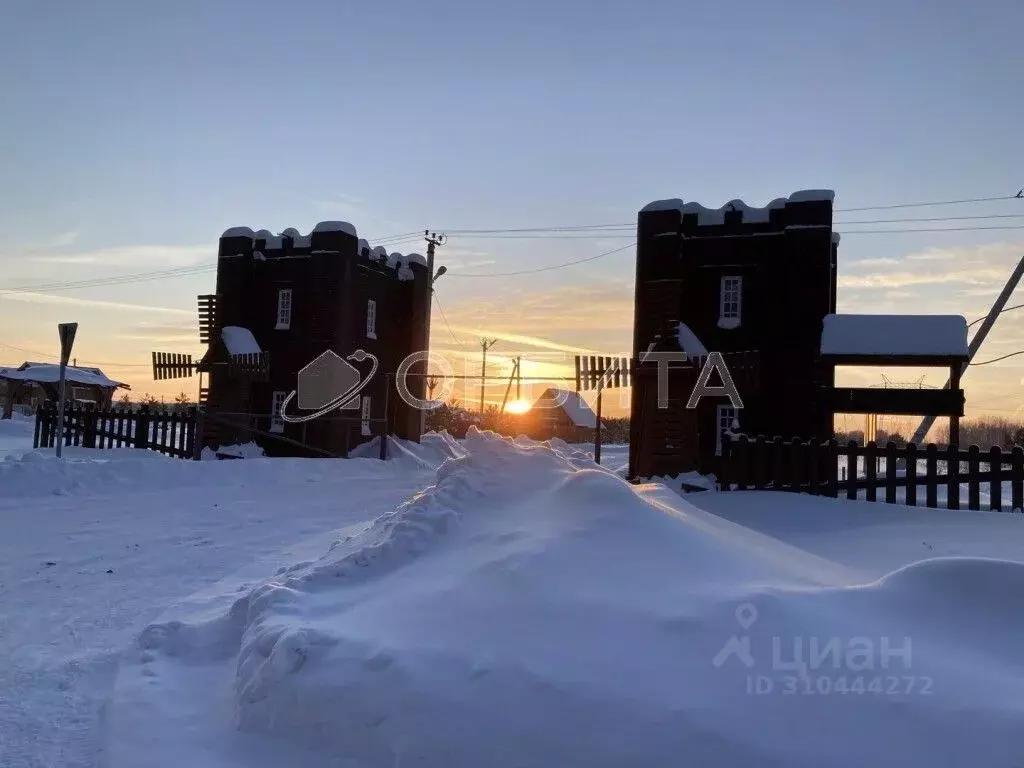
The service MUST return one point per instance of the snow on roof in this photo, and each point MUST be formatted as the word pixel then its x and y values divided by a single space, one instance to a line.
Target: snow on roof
pixel 689 343
pixel 906 335
pixel 379 253
pixel 707 216
pixel 812 195
pixel 48 373
pixel 335 226
pixel 238 232
pixel 239 341
pixel 572 403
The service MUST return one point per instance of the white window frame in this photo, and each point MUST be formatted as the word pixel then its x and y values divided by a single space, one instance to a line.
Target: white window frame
pixel 725 415
pixel 730 301
pixel 365 414
pixel 284 309
pixel 276 403
pixel 371 319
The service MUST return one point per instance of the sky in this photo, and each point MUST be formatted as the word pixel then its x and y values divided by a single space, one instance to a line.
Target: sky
pixel 135 133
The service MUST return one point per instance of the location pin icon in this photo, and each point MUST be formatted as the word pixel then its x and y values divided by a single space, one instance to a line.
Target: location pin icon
pixel 746 615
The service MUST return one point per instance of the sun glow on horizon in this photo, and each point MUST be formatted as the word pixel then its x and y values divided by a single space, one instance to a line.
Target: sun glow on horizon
pixel 518 406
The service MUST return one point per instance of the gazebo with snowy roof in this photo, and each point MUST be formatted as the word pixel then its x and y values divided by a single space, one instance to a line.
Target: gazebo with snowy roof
pixel 898 340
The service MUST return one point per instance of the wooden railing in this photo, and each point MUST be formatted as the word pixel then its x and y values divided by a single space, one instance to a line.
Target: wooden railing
pixel 856 471
pixel 169 431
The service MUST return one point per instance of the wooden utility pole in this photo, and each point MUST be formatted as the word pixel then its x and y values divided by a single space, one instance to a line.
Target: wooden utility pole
pixel 519 378
pixel 972 349
pixel 513 375
pixel 485 344
pixel 433 240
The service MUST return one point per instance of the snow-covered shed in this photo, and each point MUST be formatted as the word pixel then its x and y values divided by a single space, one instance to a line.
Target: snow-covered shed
pixel 33 383
pixel 561 413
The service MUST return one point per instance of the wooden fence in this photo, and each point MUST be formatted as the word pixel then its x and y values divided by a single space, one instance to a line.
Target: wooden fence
pixel 168 431
pixel 856 471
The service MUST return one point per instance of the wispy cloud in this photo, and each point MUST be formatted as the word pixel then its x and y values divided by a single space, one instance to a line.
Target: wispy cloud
pixel 143 256
pixel 162 332
pixel 47 298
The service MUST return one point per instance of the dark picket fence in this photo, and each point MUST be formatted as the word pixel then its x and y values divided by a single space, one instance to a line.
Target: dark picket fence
pixel 815 468
pixel 168 431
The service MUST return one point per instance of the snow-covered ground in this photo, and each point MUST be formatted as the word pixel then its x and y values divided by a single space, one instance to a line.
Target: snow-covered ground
pixel 493 603
pixel 94 547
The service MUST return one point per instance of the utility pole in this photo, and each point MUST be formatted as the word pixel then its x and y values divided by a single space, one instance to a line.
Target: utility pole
pixel 513 375
pixel 485 344
pixel 519 378
pixel 976 341
pixel 433 240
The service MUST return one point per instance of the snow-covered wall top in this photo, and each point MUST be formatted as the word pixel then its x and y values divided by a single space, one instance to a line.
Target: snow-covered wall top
pixel 905 335
pixel 274 242
pixel 751 214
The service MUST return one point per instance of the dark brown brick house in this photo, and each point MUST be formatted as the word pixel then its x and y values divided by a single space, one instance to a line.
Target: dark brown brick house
pixel 284 300
pixel 752 283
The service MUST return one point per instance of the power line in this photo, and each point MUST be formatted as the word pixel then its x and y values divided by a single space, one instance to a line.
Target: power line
pixel 543 269
pixel 936 218
pixel 933 229
pixel 134 277
pixel 927 204
pixel 440 309
pixel 1007 309
pixel 997 359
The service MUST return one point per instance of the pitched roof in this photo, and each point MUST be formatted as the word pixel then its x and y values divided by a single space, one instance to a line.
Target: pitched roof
pixel 49 373
pixel 571 403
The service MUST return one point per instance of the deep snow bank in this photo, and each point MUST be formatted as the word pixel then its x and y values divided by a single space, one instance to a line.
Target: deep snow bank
pixel 429 453
pixel 531 609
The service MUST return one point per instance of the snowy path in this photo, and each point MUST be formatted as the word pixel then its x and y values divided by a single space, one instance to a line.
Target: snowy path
pixel 81 571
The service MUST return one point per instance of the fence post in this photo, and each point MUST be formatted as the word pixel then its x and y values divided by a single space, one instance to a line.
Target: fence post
pixel 833 469
pixel 778 471
pixel 797 465
pixel 973 483
pixel 871 470
pixel 38 431
pixel 890 472
pixel 910 498
pixel 743 475
pixel 1017 480
pixel 760 470
pixel 142 427
pixel 52 443
pixel 813 460
pixel 724 473
pixel 197 434
pixel 996 489
pixel 931 476
pixel 89 427
pixel 953 477
pixel 852 450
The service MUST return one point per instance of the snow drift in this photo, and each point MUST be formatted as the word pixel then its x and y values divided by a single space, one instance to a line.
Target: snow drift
pixel 529 608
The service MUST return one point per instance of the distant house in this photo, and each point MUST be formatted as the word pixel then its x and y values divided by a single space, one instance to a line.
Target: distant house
pixel 31 384
pixel 285 301
pixel 560 413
